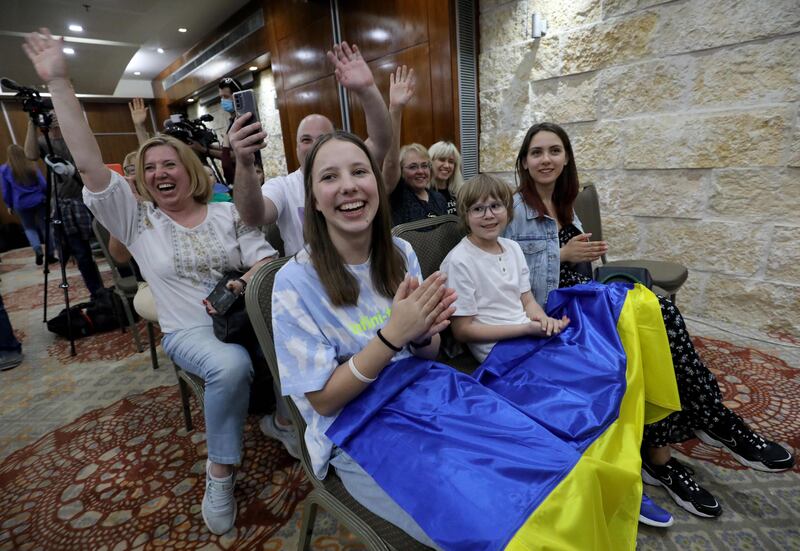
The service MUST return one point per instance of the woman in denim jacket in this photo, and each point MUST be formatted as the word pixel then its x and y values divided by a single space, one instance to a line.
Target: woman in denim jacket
pixel 555 246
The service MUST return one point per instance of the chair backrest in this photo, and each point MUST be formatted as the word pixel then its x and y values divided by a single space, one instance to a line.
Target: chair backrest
pixel 273 235
pixel 258 300
pixel 587 207
pixel 432 239
pixel 103 238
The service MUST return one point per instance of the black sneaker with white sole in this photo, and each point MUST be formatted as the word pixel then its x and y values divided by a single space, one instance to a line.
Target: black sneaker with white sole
pixel 677 479
pixel 748 447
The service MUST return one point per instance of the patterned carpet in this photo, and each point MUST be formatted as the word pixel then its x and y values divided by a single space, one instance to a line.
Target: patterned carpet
pixel 94 456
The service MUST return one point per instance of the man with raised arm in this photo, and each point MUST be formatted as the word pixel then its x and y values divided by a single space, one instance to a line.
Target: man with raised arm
pixel 281 199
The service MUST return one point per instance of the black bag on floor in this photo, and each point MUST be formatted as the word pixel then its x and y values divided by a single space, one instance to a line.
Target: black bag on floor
pixel 82 325
pixel 98 316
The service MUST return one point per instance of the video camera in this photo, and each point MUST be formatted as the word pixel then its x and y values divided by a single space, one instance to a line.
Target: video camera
pixel 37 107
pixel 189 131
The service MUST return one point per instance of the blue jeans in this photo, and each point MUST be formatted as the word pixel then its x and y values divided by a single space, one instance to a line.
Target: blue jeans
pixel 8 342
pixel 33 221
pixel 227 370
pixel 367 492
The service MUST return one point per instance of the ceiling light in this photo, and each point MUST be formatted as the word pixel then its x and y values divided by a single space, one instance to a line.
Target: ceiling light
pixel 182 29
pixel 160 50
pixel 137 73
pixel 190 100
pixel 68 51
pixel 76 28
pixel 253 68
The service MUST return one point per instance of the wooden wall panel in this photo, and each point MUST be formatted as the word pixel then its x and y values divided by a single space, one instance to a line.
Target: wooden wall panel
pixel 303 56
pixel 291 17
pixel 108 117
pixel 320 96
pixel 381 28
pixel 417 118
pixel 114 148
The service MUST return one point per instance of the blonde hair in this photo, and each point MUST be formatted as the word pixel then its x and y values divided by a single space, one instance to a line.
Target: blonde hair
pixel 23 170
pixel 415 148
pixel 198 179
pixel 130 159
pixel 442 150
pixel 480 187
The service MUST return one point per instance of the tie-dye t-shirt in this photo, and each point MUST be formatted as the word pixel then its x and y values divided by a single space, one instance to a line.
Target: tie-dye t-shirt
pixel 313 337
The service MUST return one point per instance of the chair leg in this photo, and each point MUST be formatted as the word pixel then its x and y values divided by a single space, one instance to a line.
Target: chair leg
pixel 183 389
pixel 152 338
pixel 673 298
pixel 129 313
pixel 307 526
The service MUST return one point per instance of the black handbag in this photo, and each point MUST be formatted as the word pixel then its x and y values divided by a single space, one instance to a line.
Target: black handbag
pixel 234 326
pixel 626 274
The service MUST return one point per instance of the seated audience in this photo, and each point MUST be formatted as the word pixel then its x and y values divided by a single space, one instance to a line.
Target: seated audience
pixel 550 235
pixel 183 245
pixel 281 199
pixel 446 171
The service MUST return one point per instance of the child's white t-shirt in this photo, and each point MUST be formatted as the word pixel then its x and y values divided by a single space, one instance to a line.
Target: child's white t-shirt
pixel 488 286
pixel 313 337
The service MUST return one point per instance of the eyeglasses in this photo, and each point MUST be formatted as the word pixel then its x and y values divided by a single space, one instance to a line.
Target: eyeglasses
pixel 129 170
pixel 479 211
pixel 421 166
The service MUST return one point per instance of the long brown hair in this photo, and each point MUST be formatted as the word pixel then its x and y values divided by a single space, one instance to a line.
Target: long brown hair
pixel 23 169
pixel 566 188
pixel 387 266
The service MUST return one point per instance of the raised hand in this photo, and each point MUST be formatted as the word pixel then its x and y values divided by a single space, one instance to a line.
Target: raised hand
pixel 351 70
pixel 402 85
pixel 45 53
pixel 246 139
pixel 580 249
pixel 138 111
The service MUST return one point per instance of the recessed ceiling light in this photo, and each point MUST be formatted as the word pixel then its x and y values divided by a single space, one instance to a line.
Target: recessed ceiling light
pixel 160 50
pixel 190 100
pixel 68 51
pixel 253 68
pixel 76 28
pixel 137 73
pixel 182 29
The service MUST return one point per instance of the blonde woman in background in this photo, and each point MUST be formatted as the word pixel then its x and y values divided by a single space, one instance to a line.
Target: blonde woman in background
pixel 446 175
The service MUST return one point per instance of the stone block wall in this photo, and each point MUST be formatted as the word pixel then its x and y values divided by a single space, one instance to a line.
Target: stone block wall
pixel 272 154
pixel 686 116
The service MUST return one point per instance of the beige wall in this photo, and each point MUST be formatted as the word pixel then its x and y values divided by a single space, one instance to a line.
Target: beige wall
pixel 272 155
pixel 685 116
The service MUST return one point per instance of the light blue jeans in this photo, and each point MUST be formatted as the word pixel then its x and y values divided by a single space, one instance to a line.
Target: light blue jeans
pixel 227 370
pixel 366 491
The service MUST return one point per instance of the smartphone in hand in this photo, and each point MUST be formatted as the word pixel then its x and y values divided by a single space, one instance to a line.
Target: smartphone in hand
pixel 245 102
pixel 222 298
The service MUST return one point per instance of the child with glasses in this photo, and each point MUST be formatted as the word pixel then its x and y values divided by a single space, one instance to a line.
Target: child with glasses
pixel 489 274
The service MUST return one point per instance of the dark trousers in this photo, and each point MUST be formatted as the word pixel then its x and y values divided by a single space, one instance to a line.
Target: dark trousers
pixel 8 342
pixel 75 245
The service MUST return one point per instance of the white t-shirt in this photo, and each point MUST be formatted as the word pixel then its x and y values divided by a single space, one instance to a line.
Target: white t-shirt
pixel 313 337
pixel 488 286
pixel 289 195
pixel 181 265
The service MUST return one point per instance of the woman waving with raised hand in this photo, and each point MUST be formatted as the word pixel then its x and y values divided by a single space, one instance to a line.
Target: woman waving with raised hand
pixel 183 246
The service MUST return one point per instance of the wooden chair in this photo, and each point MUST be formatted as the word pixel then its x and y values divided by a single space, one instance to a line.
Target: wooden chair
pixel 669 276
pixel 330 493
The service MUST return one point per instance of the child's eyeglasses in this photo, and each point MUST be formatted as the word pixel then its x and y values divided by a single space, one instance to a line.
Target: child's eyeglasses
pixel 479 211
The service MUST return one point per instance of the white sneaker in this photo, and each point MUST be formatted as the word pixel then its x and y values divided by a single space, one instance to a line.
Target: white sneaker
pixel 287 436
pixel 219 505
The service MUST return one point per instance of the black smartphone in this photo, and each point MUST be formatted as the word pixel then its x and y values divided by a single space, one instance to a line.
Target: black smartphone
pixel 245 102
pixel 222 298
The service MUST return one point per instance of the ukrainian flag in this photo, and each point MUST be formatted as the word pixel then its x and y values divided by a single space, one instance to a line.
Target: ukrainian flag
pixel 540 449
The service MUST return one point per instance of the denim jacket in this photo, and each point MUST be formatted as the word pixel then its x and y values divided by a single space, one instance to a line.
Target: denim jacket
pixel 539 242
